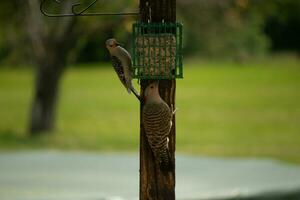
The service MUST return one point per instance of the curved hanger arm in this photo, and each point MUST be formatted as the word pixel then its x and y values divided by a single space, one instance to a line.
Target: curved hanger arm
pixel 75 13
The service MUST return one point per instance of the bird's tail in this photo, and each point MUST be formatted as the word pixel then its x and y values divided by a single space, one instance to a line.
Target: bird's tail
pixel 136 94
pixel 165 163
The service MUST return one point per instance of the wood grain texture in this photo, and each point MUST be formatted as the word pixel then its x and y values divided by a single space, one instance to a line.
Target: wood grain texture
pixel 155 184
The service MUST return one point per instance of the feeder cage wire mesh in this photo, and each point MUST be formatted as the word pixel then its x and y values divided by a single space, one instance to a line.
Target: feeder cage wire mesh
pixel 157 50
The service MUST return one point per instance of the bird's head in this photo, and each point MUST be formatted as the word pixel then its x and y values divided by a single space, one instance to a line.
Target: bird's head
pixel 111 43
pixel 151 92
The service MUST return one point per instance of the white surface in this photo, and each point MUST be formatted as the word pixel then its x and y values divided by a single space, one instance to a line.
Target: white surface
pixel 52 175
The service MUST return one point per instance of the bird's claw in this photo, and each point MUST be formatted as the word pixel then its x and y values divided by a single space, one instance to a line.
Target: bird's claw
pixel 173 110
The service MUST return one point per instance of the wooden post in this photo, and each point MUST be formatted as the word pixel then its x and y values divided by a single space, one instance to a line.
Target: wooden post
pixel 154 184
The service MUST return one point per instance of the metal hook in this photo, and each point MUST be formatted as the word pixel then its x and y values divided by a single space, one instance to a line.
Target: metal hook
pixel 74 13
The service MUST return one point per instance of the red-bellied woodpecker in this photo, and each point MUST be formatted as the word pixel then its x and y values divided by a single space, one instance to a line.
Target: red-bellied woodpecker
pixel 157 122
pixel 121 61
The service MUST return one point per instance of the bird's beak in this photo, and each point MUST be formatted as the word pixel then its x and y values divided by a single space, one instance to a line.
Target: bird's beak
pixel 119 44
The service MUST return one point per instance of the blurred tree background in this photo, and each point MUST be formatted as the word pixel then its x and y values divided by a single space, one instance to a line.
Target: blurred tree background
pixel 235 31
pixel 90 33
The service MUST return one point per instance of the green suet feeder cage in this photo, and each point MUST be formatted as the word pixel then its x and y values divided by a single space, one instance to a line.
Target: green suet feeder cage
pixel 157 50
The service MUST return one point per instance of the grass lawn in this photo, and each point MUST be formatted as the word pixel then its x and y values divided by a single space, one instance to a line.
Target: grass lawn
pixel 225 109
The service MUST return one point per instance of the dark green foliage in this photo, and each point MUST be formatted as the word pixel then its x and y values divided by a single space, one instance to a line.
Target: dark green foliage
pixel 237 29
pixel 240 28
pixel 219 28
pixel 283 25
pixel 12 33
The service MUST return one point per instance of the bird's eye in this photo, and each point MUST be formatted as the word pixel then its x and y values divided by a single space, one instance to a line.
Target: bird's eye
pixel 152 87
pixel 111 45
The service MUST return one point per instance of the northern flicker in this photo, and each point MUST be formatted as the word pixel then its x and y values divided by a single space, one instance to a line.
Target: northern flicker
pixel 157 122
pixel 122 63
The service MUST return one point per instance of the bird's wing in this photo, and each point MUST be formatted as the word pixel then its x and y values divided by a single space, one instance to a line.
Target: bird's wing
pixel 125 55
pixel 125 59
pixel 117 64
pixel 156 120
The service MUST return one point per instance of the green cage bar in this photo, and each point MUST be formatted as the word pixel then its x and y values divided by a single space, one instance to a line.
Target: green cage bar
pixel 157 50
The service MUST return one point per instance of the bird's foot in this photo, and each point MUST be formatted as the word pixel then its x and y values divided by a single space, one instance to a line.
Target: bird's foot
pixel 173 110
